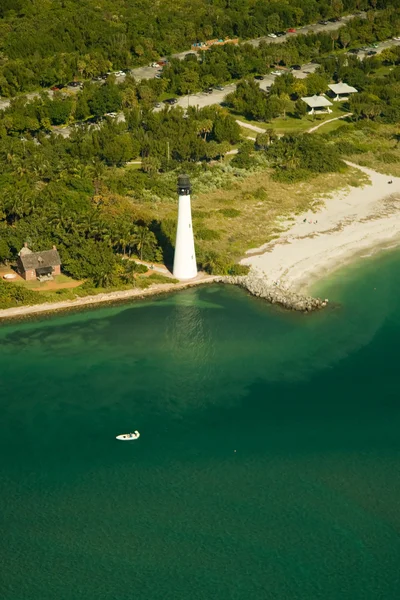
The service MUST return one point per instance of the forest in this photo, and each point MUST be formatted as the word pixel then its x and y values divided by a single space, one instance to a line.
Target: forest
pixel 45 42
pixel 81 193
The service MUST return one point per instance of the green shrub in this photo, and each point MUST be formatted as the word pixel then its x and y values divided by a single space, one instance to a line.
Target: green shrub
pixel 260 194
pixel 237 269
pixel 202 233
pixel 388 157
pixel 159 278
pixel 12 294
pixel 345 147
pixel 200 214
pixel 229 212
pixel 290 175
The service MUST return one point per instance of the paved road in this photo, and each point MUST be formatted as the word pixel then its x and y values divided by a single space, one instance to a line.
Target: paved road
pixel 218 96
pixel 150 72
pixel 381 46
pixel 314 28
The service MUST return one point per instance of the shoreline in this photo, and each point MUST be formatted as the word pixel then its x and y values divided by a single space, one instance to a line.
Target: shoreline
pixel 353 223
pixel 350 224
pixel 91 301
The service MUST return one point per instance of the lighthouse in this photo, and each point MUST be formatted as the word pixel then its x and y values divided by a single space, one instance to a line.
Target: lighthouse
pixel 185 257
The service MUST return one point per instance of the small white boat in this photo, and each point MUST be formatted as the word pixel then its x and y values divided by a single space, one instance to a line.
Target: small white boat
pixel 127 437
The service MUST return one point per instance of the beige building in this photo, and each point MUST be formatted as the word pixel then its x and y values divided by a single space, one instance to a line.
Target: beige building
pixel 317 104
pixel 341 91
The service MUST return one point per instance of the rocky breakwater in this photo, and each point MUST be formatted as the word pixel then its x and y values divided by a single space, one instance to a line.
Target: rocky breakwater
pixel 259 286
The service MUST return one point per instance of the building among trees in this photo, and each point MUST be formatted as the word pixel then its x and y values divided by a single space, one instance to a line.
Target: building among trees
pixel 317 104
pixel 341 91
pixel 38 265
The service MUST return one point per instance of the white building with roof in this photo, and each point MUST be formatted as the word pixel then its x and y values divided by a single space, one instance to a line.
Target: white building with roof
pixel 341 91
pixel 317 104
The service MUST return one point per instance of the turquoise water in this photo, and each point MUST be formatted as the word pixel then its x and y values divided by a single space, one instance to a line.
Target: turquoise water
pixel 268 463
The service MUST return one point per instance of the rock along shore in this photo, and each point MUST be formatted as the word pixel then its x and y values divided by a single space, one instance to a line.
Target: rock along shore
pixel 258 286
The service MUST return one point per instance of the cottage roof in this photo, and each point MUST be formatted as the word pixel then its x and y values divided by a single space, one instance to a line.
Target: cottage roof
pixel 342 88
pixel 317 101
pixel 24 250
pixel 40 260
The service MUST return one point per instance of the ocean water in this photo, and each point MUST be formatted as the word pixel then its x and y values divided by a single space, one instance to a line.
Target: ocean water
pixel 268 465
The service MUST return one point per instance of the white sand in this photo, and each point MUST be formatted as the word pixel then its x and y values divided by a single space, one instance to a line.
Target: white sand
pixel 349 225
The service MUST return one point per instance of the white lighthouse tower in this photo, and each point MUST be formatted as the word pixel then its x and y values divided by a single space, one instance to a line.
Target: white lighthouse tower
pixel 185 257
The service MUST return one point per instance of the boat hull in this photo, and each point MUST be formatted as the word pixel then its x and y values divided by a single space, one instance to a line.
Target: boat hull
pixel 128 437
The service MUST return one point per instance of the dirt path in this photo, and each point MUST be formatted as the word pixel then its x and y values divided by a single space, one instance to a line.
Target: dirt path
pixel 249 126
pixel 328 121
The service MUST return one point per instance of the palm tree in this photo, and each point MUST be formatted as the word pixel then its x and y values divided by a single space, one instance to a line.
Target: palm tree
pixel 143 239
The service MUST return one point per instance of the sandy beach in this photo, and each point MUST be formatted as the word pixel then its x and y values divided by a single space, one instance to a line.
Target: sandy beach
pixel 350 224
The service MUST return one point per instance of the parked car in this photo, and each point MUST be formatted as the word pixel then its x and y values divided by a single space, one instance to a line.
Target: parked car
pixel 291 30
pixel 271 35
pixel 75 84
pixel 396 39
pixel 220 88
pixel 158 76
pixel 170 101
pixel 280 33
pixel 258 77
pixel 371 52
pixel 296 67
pixel 334 20
pixel 119 73
pixel 322 22
pixel 276 72
pixel 157 104
pixel 154 65
pixel 208 90
pixel 58 87
pixel 111 114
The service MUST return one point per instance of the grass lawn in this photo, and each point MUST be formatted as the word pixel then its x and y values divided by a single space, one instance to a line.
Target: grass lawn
pixel 331 126
pixel 59 282
pixel 291 124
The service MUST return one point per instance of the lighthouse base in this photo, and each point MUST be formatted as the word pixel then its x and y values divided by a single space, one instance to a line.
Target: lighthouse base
pixel 184 276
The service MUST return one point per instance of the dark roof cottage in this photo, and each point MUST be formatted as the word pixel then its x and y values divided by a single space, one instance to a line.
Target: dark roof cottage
pixel 33 265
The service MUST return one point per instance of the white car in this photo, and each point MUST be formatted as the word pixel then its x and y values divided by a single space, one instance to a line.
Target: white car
pixel 272 35
pixel 154 65
pixel 396 39
pixel 119 73
pixel 276 72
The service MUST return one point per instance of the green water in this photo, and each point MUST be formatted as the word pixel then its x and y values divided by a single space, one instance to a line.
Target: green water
pixel 268 463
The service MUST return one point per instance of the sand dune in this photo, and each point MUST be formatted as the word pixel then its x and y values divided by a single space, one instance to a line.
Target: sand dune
pixel 351 223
